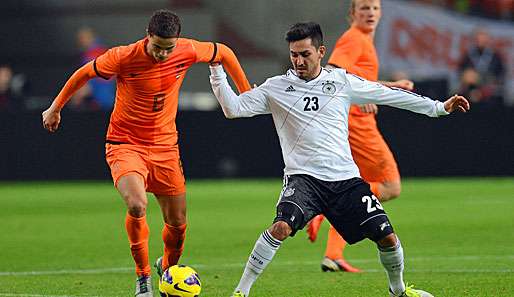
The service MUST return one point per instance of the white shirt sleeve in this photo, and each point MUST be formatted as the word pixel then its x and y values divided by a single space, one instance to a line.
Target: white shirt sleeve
pixel 362 91
pixel 248 104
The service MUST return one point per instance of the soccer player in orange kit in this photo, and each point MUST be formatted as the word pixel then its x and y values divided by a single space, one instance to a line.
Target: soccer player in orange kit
pixel 355 52
pixel 142 140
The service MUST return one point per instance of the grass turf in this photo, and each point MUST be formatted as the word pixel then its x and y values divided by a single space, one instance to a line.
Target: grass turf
pixel 67 239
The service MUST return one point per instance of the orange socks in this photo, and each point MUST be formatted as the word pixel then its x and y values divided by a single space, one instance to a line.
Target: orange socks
pixel 138 232
pixel 335 245
pixel 173 237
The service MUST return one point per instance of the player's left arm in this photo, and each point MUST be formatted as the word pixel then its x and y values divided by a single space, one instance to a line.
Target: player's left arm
pixel 402 84
pixel 248 104
pixel 213 52
pixel 362 91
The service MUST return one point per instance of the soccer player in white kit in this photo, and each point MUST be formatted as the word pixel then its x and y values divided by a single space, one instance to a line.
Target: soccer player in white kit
pixel 309 105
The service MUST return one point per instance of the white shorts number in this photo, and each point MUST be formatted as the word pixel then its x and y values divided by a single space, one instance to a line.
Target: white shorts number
pixel 369 201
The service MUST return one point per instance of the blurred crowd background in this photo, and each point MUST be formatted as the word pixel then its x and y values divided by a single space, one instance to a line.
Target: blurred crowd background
pixel 445 46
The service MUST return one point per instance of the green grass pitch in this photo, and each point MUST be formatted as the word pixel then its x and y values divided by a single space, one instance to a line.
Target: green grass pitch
pixel 68 239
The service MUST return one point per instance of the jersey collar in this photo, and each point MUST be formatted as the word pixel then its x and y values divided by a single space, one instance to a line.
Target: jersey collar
pixel 292 74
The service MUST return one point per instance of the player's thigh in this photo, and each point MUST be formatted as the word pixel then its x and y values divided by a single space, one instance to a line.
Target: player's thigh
pixel 372 154
pixel 166 176
pixel 357 214
pixel 128 170
pixel 298 202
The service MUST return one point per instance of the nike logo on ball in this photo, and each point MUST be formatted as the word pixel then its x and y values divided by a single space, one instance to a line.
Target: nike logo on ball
pixel 179 288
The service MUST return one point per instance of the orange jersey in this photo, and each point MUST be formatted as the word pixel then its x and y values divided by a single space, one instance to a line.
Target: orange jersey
pixel 355 52
pixel 147 91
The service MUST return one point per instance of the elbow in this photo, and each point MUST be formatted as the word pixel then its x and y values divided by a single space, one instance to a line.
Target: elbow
pixel 225 52
pixel 229 115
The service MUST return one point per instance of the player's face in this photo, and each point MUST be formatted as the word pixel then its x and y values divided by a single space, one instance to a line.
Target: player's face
pixel 306 58
pixel 367 14
pixel 160 48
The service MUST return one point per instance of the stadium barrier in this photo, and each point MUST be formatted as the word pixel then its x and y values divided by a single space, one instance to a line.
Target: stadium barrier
pixel 479 143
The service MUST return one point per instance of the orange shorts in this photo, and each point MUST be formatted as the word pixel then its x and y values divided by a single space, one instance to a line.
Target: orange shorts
pixel 160 166
pixel 370 151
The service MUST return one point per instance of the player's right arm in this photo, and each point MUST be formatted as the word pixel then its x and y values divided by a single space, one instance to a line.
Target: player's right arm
pixel 248 104
pixel 52 116
pixel 104 66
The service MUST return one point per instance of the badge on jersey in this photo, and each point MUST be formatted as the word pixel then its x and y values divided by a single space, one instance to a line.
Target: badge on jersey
pixel 289 192
pixel 329 88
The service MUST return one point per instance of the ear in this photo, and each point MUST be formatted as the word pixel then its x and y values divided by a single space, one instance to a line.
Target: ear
pixel 322 51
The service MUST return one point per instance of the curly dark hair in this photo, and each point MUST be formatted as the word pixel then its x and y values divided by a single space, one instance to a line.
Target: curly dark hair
pixel 165 24
pixel 301 31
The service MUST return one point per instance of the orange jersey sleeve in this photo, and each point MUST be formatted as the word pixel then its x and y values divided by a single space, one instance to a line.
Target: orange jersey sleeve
pixel 108 64
pixel 74 83
pixel 209 52
pixel 355 52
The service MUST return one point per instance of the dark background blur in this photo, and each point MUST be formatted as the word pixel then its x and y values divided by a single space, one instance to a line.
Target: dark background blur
pixel 40 49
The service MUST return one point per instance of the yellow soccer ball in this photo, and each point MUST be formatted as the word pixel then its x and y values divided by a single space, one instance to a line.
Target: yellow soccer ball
pixel 180 281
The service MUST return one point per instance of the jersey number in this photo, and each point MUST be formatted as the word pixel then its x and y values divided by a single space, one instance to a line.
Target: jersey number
pixel 369 201
pixel 158 102
pixel 311 104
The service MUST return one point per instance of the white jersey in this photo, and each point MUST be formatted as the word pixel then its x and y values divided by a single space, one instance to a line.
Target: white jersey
pixel 311 117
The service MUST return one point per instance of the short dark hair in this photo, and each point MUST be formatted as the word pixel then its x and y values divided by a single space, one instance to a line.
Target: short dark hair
pixel 165 24
pixel 301 31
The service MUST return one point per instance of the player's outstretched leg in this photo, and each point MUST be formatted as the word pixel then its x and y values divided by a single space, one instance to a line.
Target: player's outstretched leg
pixel 390 252
pixel 313 227
pixel 263 251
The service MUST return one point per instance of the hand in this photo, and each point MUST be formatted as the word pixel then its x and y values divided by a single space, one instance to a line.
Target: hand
pixel 368 108
pixel 403 84
pixel 456 102
pixel 51 119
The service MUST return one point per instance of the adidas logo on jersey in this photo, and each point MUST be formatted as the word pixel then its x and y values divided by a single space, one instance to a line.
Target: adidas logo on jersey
pixel 290 89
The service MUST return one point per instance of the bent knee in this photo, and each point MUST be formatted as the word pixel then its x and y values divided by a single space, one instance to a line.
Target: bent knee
pixel 280 230
pixel 390 190
pixel 176 220
pixel 136 207
pixel 390 240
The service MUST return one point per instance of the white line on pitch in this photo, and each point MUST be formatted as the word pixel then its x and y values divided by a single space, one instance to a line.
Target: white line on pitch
pixel 289 263
pixel 37 295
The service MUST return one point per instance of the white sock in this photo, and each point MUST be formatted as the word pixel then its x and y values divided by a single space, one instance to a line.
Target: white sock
pixel 392 260
pixel 262 253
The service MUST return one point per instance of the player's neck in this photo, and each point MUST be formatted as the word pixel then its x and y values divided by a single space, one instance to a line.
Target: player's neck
pixel 314 76
pixel 366 31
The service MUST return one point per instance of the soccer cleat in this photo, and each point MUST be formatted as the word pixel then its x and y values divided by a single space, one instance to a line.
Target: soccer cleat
pixel 411 292
pixel 313 227
pixel 337 265
pixel 144 286
pixel 158 266
pixel 238 294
